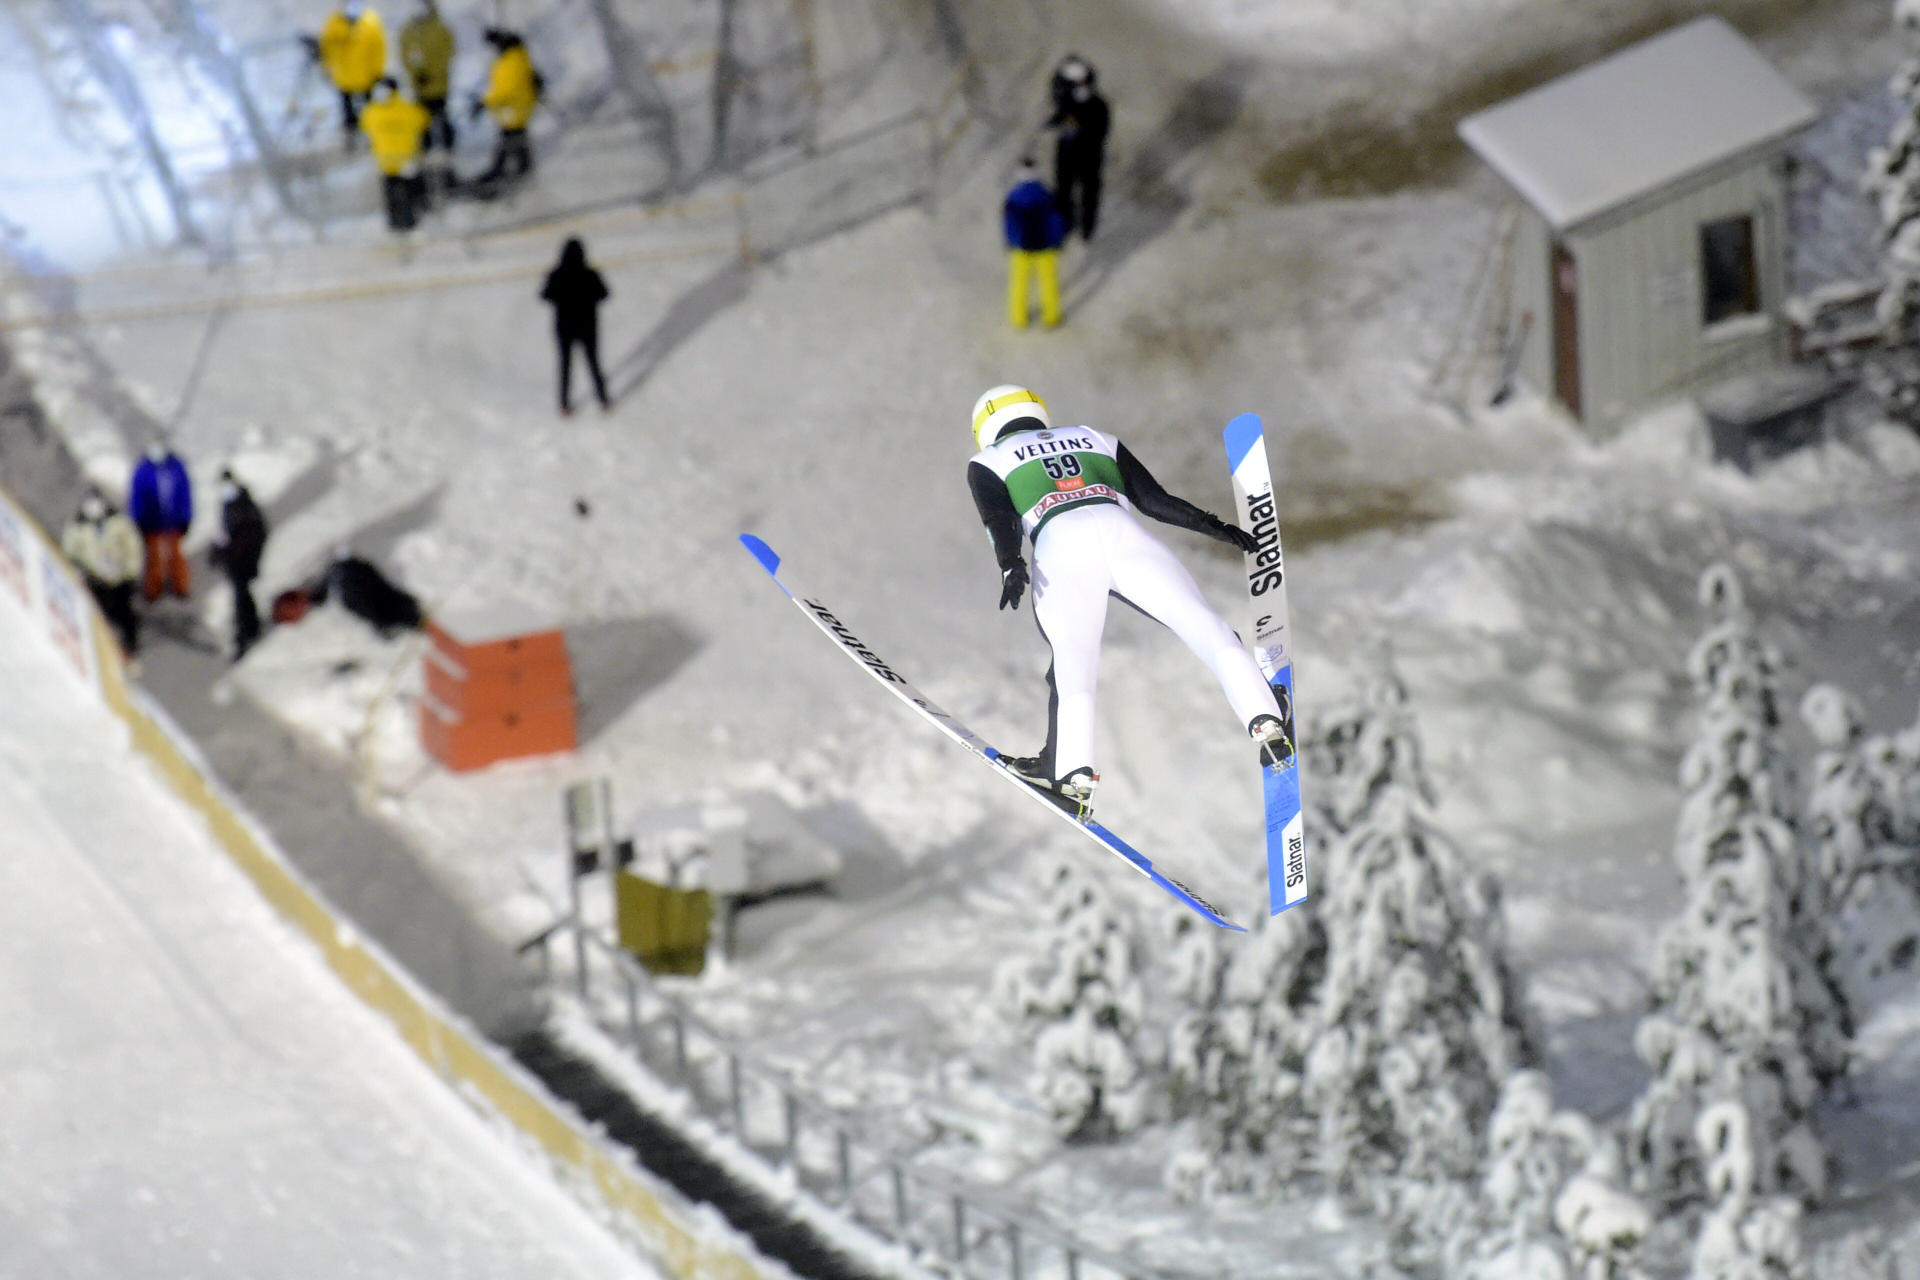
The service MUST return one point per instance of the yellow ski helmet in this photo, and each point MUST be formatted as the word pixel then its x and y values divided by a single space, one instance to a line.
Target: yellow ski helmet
pixel 1000 408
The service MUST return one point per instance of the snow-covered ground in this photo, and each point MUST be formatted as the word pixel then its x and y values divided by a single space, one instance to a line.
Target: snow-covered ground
pixel 1533 590
pixel 185 1088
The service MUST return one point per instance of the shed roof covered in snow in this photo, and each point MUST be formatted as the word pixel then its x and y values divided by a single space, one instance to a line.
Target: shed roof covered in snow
pixel 1628 125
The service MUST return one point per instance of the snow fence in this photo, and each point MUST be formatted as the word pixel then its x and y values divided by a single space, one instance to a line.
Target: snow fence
pixel 689 1244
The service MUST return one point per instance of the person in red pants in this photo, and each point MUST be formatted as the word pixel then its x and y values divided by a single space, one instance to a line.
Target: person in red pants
pixel 161 504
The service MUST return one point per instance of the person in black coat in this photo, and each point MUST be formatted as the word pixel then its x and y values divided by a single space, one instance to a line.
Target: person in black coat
pixel 1081 116
pixel 366 593
pixel 575 291
pixel 243 539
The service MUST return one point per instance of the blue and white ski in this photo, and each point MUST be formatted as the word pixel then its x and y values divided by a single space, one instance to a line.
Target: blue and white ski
pixel 1266 585
pixel 875 666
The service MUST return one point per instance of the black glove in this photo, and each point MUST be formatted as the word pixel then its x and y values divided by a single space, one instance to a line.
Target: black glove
pixel 1013 581
pixel 1234 534
pixel 479 109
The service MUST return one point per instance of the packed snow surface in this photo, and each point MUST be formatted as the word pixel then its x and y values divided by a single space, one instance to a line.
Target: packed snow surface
pixel 185 1088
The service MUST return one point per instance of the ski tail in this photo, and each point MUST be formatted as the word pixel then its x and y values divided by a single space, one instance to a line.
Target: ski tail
pixel 1246 446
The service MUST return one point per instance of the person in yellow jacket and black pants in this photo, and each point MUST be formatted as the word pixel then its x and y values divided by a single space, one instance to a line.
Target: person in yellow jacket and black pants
pixel 513 90
pixel 352 49
pixel 395 128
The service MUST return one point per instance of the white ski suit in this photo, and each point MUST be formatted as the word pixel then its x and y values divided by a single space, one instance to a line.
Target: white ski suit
pixel 1074 492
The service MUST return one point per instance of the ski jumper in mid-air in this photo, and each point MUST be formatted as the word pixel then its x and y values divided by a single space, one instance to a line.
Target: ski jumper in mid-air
pixel 1074 494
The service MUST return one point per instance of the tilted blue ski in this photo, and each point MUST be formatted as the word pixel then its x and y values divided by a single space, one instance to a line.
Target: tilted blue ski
pixel 1266 585
pixel 880 670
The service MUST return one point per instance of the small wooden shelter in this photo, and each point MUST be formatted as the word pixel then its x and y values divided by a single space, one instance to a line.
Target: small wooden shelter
pixel 1650 256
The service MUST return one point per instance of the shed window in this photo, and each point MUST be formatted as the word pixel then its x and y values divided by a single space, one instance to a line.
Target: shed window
pixel 1728 273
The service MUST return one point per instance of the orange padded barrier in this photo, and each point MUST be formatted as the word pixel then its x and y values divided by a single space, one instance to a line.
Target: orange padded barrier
pixel 499 686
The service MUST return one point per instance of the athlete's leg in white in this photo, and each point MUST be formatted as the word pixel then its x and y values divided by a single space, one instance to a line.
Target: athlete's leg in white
pixel 1148 575
pixel 1070 584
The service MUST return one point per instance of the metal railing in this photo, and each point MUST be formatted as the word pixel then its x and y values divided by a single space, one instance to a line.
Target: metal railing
pixel 945 1224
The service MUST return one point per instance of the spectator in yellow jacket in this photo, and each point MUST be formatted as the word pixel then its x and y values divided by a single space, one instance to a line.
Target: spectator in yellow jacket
pixel 352 48
pixel 395 128
pixel 513 90
pixel 426 50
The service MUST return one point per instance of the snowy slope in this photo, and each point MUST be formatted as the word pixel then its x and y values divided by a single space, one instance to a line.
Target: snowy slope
pixel 188 1090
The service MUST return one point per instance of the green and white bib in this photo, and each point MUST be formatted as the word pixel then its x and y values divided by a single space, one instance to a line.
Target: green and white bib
pixel 1048 472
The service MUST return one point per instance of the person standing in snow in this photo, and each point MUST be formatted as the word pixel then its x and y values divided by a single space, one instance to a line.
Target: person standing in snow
pixel 160 501
pixel 395 129
pixel 243 539
pixel 103 545
pixel 513 90
pixel 1081 117
pixel 575 291
pixel 1074 494
pixel 426 51
pixel 352 49
pixel 1035 230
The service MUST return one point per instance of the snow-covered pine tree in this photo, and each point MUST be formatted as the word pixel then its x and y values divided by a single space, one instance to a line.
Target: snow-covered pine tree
pixel 1865 864
pixel 1084 1001
pixel 1237 1056
pixel 1550 1204
pixel 1415 1024
pixel 1893 180
pixel 1894 760
pixel 1741 1010
pixel 1745 1236
pixel 1529 1159
pixel 1368 1035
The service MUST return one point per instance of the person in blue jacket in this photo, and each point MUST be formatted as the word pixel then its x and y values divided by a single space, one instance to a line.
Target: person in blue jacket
pixel 161 504
pixel 1035 231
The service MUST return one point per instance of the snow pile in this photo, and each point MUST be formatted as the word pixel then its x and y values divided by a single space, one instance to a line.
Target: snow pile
pixel 1743 1011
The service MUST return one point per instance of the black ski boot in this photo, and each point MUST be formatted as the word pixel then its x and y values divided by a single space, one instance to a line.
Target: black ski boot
pixel 1276 748
pixel 1033 770
pixel 1074 793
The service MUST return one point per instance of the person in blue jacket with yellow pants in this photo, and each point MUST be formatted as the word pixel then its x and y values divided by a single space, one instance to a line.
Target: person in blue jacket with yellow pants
pixel 1035 231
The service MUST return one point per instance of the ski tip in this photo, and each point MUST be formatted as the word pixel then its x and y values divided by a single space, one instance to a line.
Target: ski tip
pixel 769 558
pixel 1240 436
pixel 1282 905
